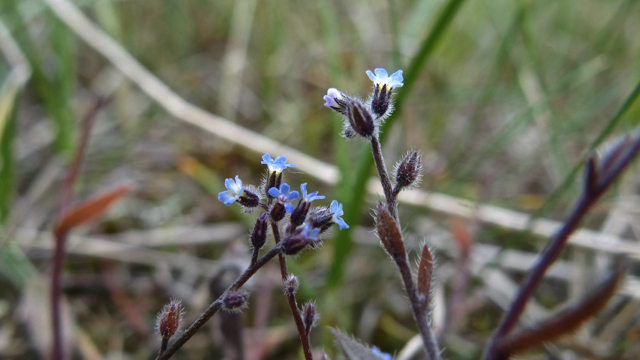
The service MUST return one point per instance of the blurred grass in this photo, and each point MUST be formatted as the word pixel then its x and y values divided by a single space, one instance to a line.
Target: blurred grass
pixel 505 99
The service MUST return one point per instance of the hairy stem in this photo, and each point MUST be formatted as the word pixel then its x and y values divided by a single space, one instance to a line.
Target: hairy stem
pixel 385 180
pixel 419 312
pixel 217 305
pixel 291 299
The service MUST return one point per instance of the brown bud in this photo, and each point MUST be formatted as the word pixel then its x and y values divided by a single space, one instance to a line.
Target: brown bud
pixel 309 316
pixel 168 320
pixel 291 285
pixel 360 120
pixel 294 244
pixel 408 171
pixel 259 233
pixel 389 233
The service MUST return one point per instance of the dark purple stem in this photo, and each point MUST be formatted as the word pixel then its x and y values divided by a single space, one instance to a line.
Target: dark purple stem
pixel 65 204
pixel 596 184
pixel 217 305
pixel 291 299
pixel 385 180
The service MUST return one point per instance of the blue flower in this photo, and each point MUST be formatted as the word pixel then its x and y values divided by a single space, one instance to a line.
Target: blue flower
pixel 333 94
pixel 283 194
pixel 337 212
pixel 385 356
pixel 309 197
pixel 277 165
pixel 234 191
pixel 382 78
pixel 310 232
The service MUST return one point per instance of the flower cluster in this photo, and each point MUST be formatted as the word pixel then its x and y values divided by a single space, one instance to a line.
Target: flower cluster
pixel 303 224
pixel 363 118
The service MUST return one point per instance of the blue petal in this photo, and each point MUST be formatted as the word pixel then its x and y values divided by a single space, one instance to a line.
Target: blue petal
pixel 280 160
pixel 289 207
pixel 293 195
pixel 284 189
pixel 341 223
pixel 274 192
pixel 371 76
pixel 396 79
pixel 303 188
pixel 266 159
pixel 229 183
pixel 227 197
pixel 381 73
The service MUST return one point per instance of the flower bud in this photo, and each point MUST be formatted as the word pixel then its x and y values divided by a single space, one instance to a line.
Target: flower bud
pixel 291 285
pixel 259 233
pixel 168 320
pixel 300 213
pixel 381 101
pixel 234 301
pixel 309 316
pixel 321 218
pixel 360 121
pixel 278 211
pixel 249 198
pixel 294 244
pixel 408 171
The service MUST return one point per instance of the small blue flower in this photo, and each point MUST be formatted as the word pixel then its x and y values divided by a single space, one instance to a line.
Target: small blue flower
pixel 333 94
pixel 283 194
pixel 234 191
pixel 337 212
pixel 309 197
pixel 277 165
pixel 382 78
pixel 382 355
pixel 309 232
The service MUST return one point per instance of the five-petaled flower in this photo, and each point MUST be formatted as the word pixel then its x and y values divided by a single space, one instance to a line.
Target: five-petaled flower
pixel 277 165
pixel 234 191
pixel 336 214
pixel 382 78
pixel 283 195
pixel 305 197
pixel 310 232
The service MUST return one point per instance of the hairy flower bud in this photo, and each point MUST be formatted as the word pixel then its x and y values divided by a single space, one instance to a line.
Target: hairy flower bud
pixel 309 316
pixel 299 214
pixel 294 244
pixel 168 320
pixel 234 301
pixel 408 171
pixel 249 198
pixel 278 211
pixel 291 285
pixel 360 121
pixel 259 233
pixel 381 101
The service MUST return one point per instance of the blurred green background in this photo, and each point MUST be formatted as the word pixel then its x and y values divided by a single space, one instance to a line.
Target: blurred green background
pixel 504 98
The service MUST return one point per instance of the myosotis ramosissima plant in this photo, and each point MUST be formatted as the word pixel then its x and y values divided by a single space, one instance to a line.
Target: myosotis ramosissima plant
pixel 295 228
pixel 362 119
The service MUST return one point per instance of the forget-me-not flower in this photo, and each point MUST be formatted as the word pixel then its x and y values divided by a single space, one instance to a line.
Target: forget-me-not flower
pixel 310 232
pixel 277 165
pixel 333 99
pixel 382 78
pixel 305 197
pixel 336 214
pixel 234 191
pixel 283 194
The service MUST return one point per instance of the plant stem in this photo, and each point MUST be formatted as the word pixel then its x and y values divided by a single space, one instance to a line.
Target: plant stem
pixel 419 312
pixel 385 180
pixel 291 299
pixel 217 305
